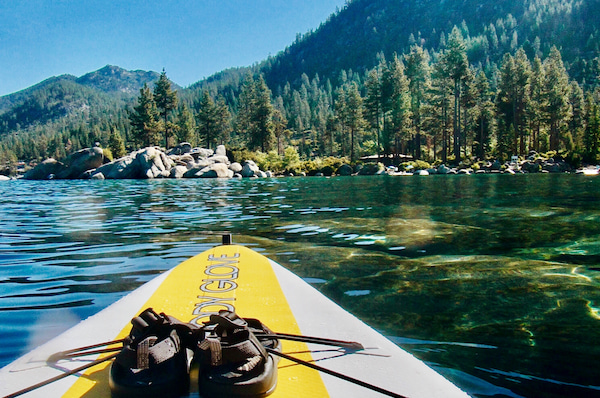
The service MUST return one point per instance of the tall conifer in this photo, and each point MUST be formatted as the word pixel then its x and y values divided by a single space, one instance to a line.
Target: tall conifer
pixel 166 101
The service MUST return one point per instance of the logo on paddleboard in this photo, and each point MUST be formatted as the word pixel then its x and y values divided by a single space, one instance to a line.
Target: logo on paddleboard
pixel 222 273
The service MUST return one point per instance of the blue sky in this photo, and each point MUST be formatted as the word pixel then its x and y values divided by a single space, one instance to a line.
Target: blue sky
pixel 191 39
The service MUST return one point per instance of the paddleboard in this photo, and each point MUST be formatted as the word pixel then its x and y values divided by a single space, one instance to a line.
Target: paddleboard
pixel 236 278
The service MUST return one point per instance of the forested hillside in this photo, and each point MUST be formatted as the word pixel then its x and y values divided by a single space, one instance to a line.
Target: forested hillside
pixel 435 80
pixel 65 113
pixel 351 38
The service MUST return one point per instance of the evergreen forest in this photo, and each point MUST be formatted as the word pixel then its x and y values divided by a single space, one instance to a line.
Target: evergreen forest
pixel 420 79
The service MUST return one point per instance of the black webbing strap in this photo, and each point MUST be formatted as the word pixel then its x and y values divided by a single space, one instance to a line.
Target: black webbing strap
pixel 60 376
pixel 336 374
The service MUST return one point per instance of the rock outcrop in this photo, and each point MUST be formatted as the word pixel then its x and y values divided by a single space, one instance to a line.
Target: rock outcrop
pixel 82 161
pixel 47 170
pixel 182 161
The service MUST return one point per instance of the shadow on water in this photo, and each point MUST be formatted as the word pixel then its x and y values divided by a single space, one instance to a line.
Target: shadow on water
pixel 492 280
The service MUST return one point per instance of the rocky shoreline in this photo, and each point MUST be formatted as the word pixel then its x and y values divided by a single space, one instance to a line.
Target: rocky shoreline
pixel 184 161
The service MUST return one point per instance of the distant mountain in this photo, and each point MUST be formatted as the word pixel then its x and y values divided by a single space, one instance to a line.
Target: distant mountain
pixel 111 79
pixel 68 96
pixel 10 100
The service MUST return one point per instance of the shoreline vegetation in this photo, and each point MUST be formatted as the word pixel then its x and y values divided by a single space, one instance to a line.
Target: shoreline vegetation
pixel 185 161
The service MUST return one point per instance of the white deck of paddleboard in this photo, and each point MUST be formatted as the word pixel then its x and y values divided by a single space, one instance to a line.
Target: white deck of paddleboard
pixel 382 363
pixel 104 326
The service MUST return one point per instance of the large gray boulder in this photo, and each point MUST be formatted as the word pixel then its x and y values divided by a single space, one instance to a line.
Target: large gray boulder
pixel 218 170
pixel 178 171
pixel 235 167
pixel 219 159
pixel 97 176
pixel 215 170
pixel 47 170
pixel 344 170
pixel 531 167
pixel 196 172
pixel 121 168
pixel 369 169
pixel 181 149
pixel 443 169
pixel 201 153
pixel 149 162
pixel 186 160
pixel 249 169
pixel 82 161
pixel 154 163
pixel 221 151
pixel 4 178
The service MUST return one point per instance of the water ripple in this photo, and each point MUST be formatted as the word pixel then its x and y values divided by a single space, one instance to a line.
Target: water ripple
pixel 508 263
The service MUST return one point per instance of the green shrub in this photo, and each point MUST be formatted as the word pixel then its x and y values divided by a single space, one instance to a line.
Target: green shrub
pixel 273 162
pixel 291 160
pixel 414 165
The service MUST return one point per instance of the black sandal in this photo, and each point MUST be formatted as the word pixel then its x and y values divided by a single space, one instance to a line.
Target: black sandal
pixel 233 362
pixel 154 360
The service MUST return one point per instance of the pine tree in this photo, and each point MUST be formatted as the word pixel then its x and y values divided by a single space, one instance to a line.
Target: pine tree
pixel 263 134
pixel 223 119
pixel 213 120
pixel 418 74
pixel 341 111
pixel 556 90
pixel 373 112
pixel 513 97
pixel 116 144
pixel 577 120
pixel 455 58
pixel 400 113
pixel 206 116
pixel 186 125
pixel 439 106
pixel 522 75
pixel 166 101
pixel 468 102
pixel 536 105
pixel 354 117
pixel 245 108
pixel 145 124
pixel 591 136
pixel 484 114
pixel 279 129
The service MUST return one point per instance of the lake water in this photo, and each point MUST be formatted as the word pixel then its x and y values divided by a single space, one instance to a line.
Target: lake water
pixel 494 280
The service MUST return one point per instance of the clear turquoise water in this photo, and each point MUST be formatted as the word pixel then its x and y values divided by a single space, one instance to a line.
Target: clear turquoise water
pixel 492 279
